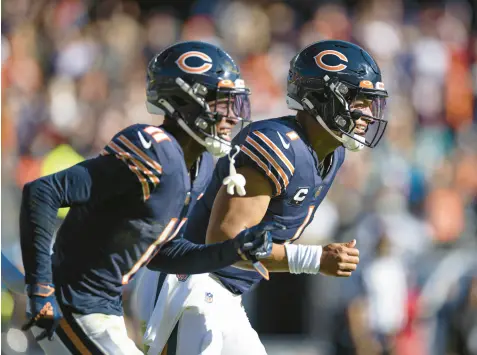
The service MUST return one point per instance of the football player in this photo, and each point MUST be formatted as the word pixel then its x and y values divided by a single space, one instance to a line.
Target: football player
pixel 128 204
pixel 289 164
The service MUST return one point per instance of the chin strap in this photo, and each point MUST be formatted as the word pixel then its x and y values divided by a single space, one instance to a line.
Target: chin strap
pixel 215 147
pixel 354 145
pixel 234 180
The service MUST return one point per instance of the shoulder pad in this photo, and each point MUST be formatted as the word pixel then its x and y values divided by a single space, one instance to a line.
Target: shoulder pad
pixel 134 146
pixel 270 151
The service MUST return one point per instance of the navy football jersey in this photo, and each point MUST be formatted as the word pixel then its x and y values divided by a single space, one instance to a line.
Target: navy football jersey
pixel 279 149
pixel 138 197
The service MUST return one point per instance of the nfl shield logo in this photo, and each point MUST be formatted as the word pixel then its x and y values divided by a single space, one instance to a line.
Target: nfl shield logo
pixel 209 297
pixel 182 277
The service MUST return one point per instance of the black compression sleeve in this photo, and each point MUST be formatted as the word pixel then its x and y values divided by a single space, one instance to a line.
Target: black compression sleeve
pixel 91 179
pixel 181 256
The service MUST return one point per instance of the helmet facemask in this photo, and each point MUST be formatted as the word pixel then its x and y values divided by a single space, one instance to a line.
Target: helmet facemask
pixel 209 106
pixel 230 104
pixel 333 108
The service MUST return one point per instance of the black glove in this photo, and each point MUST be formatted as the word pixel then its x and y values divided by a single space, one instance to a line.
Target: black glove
pixel 43 310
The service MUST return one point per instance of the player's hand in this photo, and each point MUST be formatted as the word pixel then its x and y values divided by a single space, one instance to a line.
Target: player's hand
pixel 256 243
pixel 339 259
pixel 43 310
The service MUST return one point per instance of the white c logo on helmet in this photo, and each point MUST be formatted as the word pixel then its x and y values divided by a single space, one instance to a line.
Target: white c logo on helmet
pixel 319 60
pixel 181 62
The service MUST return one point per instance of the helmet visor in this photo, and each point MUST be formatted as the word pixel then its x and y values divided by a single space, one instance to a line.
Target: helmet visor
pixel 228 113
pixel 231 104
pixel 366 109
pixel 370 112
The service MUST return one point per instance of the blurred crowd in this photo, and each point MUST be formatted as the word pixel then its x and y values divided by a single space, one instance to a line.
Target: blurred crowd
pixel 73 75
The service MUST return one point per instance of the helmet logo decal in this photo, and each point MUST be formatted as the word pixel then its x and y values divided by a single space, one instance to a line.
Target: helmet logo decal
pixel 181 62
pixel 226 84
pixel 366 84
pixel 319 60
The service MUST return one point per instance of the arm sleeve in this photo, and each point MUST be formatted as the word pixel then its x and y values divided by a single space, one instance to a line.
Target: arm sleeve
pixel 181 256
pixel 264 151
pixel 90 181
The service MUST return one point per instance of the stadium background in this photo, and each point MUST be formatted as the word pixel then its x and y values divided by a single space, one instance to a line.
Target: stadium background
pixel 73 75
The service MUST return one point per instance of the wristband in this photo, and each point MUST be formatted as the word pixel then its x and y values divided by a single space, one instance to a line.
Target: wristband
pixel 304 259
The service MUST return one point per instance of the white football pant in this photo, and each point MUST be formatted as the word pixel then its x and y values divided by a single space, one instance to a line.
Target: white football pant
pixel 203 317
pixel 89 334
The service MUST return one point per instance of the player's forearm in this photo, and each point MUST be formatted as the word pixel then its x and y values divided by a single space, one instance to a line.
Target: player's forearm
pixel 181 256
pixel 276 262
pixel 295 259
pixel 38 212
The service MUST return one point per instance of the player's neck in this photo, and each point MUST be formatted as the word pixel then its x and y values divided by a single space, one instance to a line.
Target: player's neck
pixel 321 141
pixel 192 151
pixel 190 147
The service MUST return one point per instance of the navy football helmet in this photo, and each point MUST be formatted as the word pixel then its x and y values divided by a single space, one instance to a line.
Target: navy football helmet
pixel 187 81
pixel 325 79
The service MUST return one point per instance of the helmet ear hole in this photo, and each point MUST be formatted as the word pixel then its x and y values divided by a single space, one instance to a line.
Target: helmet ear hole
pixel 321 97
pixel 317 97
pixel 179 101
